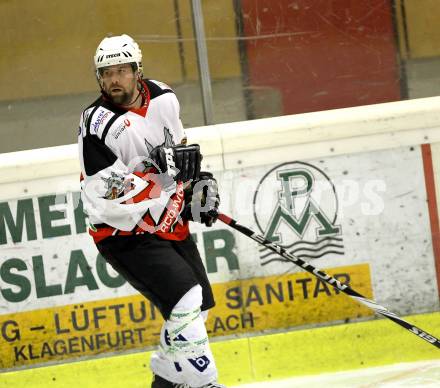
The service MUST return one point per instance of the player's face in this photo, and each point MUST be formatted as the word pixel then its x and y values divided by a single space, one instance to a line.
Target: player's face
pixel 119 82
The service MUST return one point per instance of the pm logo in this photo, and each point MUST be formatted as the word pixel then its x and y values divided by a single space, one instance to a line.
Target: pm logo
pixel 296 206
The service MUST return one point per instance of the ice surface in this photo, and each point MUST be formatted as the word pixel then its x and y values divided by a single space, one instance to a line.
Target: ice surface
pixel 424 374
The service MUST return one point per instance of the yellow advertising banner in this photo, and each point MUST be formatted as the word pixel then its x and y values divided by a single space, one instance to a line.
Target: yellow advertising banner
pixel 123 324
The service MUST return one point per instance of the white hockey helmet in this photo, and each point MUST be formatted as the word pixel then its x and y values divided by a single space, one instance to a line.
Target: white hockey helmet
pixel 117 50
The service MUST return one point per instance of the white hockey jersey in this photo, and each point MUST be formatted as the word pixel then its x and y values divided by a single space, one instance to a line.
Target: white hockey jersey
pixel 121 194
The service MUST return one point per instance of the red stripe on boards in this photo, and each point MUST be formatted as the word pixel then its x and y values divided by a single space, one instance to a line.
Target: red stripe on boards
pixel 432 207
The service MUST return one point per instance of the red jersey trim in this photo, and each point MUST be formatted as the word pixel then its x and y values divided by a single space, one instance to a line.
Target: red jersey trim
pixel 171 226
pixel 145 94
pixel 180 232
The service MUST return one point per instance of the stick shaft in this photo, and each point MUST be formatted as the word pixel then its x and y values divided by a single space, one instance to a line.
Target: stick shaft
pixel 330 280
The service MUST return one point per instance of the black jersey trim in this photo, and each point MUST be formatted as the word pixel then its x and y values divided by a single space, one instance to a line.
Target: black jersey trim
pixel 155 90
pixel 89 120
pixel 98 102
pixel 103 103
pixel 106 103
pixel 97 156
pixel 109 124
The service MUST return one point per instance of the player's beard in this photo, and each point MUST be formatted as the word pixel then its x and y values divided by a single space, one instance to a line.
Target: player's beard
pixel 123 98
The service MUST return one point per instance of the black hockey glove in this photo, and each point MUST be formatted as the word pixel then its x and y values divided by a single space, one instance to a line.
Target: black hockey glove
pixel 180 162
pixel 202 200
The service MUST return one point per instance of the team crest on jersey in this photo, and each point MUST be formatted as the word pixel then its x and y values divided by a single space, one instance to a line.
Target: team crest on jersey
pixel 116 185
pixel 302 212
pixel 168 142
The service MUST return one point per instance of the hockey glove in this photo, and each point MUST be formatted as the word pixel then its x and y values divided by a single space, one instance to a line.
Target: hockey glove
pixel 202 200
pixel 180 162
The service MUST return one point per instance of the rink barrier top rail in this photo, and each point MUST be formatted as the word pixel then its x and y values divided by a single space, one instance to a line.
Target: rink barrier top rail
pixel 278 139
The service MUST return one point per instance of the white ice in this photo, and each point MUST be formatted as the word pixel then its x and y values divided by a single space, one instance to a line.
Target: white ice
pixel 424 374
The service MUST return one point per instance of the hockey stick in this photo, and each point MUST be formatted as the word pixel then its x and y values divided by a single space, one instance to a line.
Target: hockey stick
pixel 330 280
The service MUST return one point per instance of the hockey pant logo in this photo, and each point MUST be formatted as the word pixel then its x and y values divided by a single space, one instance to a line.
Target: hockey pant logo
pixel 199 363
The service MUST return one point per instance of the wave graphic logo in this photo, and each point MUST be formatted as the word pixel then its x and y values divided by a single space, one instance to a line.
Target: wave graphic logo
pixel 296 206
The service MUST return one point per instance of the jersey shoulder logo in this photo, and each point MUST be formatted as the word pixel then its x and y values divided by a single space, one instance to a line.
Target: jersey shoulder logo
pixel 99 120
pixel 116 185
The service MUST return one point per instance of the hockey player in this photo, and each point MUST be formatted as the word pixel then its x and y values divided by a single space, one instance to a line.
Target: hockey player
pixel 141 184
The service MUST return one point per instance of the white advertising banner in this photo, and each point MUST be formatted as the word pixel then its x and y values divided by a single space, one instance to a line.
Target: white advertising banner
pixel 362 217
pixel 351 209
